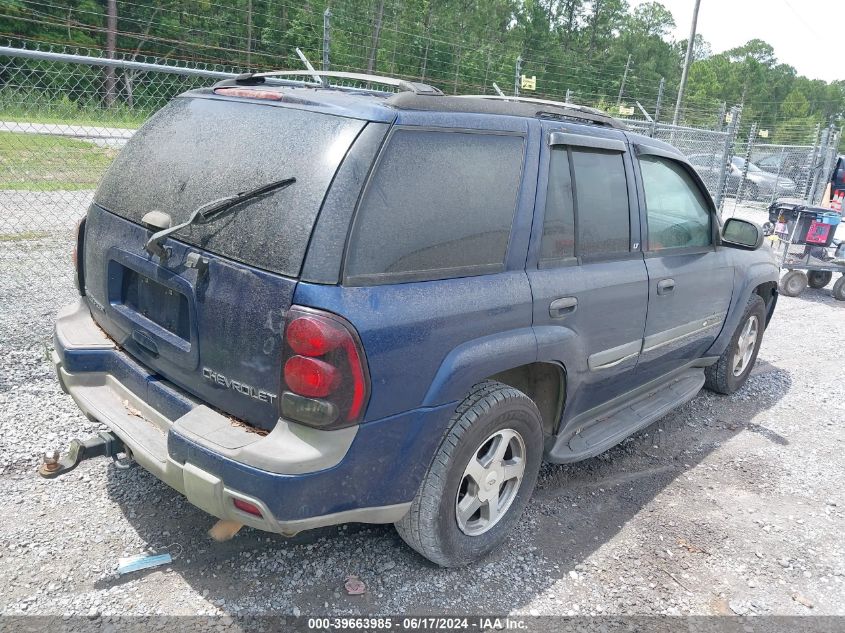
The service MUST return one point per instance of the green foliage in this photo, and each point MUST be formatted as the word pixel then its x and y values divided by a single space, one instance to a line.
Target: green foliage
pixel 462 46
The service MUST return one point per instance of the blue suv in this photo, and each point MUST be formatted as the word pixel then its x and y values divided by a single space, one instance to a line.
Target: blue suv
pixel 303 304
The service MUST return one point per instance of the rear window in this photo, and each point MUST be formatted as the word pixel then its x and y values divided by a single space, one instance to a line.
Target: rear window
pixel 440 204
pixel 196 150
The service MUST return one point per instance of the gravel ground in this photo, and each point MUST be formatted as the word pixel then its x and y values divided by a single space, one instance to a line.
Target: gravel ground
pixel 730 505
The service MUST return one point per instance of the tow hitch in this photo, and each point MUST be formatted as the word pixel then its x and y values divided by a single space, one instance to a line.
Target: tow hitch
pixel 103 444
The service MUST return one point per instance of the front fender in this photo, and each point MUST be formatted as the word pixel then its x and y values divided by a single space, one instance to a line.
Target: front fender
pixel 747 277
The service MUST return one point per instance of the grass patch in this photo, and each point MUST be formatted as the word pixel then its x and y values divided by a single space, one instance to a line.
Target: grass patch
pixel 40 162
pixel 129 121
pixel 23 236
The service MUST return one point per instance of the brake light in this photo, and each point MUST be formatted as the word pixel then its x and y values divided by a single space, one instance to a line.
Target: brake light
pixel 76 256
pixel 324 370
pixel 310 377
pixel 250 93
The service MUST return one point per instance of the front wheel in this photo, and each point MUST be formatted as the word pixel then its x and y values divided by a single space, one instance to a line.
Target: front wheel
pixel 734 365
pixel 480 479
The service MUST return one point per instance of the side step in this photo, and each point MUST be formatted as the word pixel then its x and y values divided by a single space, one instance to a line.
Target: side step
pixel 610 428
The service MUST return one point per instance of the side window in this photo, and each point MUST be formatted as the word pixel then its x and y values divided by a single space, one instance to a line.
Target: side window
pixel 559 223
pixel 439 204
pixel 601 195
pixel 678 214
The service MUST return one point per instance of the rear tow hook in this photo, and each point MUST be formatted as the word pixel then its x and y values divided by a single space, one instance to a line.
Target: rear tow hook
pixel 103 444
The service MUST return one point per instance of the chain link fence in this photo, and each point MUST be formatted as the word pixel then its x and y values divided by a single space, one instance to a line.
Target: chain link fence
pixel 58 135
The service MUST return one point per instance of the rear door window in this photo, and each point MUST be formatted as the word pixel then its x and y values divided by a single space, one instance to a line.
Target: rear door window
pixel 439 204
pixel 601 194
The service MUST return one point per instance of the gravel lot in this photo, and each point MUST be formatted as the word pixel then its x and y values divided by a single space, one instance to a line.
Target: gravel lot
pixel 730 505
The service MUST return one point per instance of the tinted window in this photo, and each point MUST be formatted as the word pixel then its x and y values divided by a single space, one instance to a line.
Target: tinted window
pixel 678 214
pixel 439 204
pixel 197 150
pixel 601 193
pixel 559 224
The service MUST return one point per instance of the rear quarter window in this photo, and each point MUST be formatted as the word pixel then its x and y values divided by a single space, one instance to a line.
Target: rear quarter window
pixel 439 204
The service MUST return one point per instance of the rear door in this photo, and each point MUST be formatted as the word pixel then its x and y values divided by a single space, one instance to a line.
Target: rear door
pixel 208 317
pixel 587 274
pixel 690 280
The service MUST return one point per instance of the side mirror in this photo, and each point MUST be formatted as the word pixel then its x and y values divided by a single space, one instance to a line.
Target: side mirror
pixel 742 234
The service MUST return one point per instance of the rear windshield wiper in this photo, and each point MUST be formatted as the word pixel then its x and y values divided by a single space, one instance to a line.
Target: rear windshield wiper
pixel 210 210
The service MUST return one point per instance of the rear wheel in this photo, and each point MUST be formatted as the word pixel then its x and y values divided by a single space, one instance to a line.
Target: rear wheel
pixel 793 283
pixel 819 278
pixel 480 479
pixel 734 365
pixel 838 290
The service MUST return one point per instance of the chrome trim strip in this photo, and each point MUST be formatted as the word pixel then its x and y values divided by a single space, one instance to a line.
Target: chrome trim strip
pixel 675 334
pixel 608 358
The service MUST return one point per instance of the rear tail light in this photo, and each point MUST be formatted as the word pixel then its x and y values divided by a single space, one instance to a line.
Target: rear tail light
pixel 323 369
pixel 77 255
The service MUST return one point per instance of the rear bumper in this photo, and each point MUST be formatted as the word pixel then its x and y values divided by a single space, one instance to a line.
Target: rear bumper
pixel 300 478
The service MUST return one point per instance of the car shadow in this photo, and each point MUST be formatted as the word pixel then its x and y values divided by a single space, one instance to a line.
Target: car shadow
pixel 575 510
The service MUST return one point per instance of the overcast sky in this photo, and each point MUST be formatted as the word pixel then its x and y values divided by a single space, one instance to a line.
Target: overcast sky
pixel 806 34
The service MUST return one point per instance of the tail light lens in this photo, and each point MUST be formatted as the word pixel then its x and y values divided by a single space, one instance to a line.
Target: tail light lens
pixel 77 255
pixel 250 93
pixel 323 369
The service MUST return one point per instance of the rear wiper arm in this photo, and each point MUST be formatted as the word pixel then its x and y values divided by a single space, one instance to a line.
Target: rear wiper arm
pixel 210 210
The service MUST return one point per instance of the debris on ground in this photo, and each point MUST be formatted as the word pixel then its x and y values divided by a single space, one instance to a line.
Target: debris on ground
pixel 354 586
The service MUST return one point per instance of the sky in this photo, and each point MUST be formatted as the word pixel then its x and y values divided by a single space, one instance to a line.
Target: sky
pixel 803 33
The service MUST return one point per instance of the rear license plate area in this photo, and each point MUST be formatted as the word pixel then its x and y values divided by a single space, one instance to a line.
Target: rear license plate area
pixel 164 306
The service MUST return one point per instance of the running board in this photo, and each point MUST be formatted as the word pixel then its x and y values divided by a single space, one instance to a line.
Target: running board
pixel 606 431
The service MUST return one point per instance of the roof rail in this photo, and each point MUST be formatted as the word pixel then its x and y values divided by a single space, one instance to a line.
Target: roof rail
pixel 401 84
pixel 570 110
pixel 559 104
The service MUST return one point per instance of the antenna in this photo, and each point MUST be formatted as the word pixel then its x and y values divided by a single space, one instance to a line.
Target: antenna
pixel 312 70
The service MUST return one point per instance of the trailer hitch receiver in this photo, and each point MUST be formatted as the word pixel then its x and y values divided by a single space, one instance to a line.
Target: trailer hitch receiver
pixel 103 444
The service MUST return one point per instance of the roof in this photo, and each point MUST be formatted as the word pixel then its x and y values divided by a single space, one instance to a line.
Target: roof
pixel 511 106
pixel 416 96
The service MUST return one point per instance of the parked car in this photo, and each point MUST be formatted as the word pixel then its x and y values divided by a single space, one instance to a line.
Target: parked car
pixel 759 185
pixel 795 164
pixel 413 301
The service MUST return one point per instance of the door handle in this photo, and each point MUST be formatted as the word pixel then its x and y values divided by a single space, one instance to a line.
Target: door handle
pixel 665 286
pixel 563 306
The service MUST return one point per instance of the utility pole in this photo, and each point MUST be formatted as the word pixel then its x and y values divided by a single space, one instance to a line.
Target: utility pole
pixel 517 76
pixel 111 47
pixel 624 79
pixel 687 62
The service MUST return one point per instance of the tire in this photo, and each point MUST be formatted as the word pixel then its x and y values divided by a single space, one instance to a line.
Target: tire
pixel 838 290
pixel 819 278
pixel 793 283
pixel 433 526
pixel 727 376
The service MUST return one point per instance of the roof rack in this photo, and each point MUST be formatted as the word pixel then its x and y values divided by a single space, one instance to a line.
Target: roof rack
pixel 403 85
pixel 568 110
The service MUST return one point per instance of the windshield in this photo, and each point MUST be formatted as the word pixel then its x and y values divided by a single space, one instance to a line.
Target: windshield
pixel 196 150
